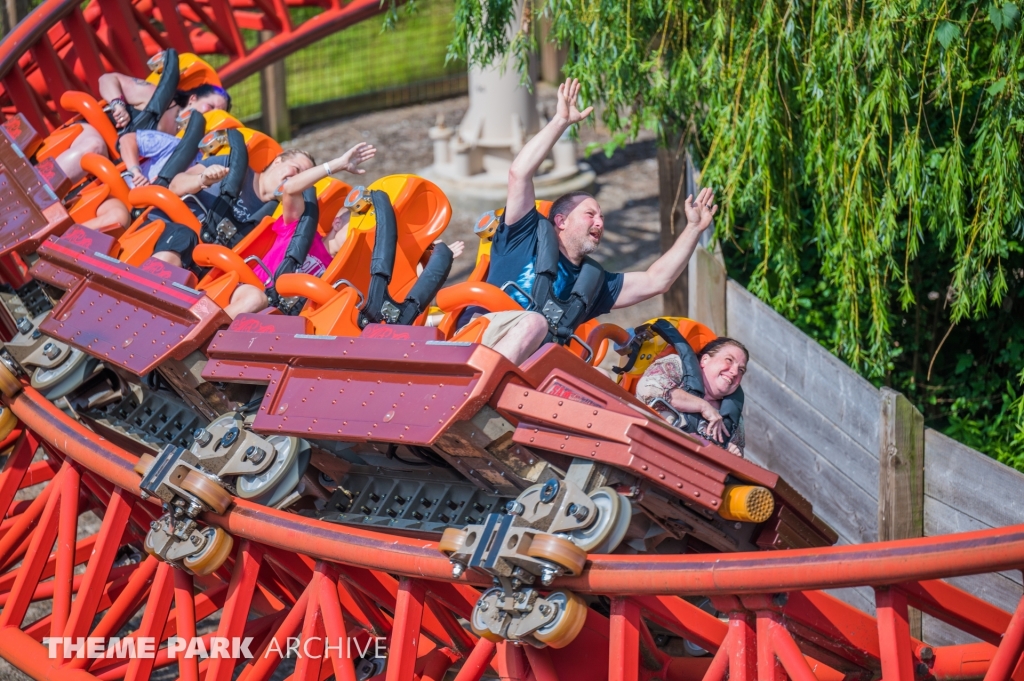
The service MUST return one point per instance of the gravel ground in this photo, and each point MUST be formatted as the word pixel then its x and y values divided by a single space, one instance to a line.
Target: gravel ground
pixel 627 188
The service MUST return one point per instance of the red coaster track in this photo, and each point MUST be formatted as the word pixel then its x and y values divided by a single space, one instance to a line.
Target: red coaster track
pixel 61 46
pixel 292 576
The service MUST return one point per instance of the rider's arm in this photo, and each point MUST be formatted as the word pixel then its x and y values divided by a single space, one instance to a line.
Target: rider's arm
pixel 197 178
pixel 129 147
pixel 135 91
pixel 521 194
pixel 685 403
pixel 292 203
pixel 640 286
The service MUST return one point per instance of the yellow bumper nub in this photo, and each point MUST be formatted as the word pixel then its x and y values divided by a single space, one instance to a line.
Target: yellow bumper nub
pixel 747 504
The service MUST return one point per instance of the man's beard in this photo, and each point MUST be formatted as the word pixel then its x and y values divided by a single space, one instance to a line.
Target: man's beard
pixel 584 245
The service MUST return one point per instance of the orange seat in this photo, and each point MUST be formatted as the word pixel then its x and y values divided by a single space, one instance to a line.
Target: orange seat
pixel 139 236
pixel 228 271
pixel 422 212
pixel 89 111
pixel 193 71
pixel 695 333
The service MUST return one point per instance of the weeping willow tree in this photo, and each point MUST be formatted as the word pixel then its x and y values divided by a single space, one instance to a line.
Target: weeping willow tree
pixel 866 154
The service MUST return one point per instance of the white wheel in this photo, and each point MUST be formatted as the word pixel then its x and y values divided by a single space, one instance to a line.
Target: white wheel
pixel 58 381
pixel 606 532
pixel 281 476
pixel 479 618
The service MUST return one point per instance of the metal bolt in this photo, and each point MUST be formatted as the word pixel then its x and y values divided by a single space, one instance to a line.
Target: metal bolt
pixel 547 575
pixel 545 609
pixel 51 351
pixel 195 539
pixel 229 437
pixel 515 507
pixel 738 525
pixel 24 325
pixel 483 606
pixel 578 512
pixel 520 597
pixel 926 653
pixel 457 570
pixel 921 669
pixel 549 491
pixel 255 454
pixel 780 599
pixel 154 525
pixel 202 436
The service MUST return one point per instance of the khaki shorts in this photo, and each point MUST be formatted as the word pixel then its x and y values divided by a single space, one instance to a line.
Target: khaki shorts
pixel 500 324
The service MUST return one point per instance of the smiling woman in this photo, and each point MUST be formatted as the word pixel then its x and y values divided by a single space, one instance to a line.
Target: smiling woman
pixel 703 391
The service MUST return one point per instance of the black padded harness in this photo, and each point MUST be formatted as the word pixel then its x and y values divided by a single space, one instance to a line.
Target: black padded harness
pixel 562 315
pixel 163 95
pixel 380 306
pixel 302 239
pixel 230 188
pixel 693 383
pixel 184 154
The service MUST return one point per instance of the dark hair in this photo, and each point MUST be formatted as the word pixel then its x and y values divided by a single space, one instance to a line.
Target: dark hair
pixel 289 153
pixel 565 203
pixel 205 90
pixel 714 346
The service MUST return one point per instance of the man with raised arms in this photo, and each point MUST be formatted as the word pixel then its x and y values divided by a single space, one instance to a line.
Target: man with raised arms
pixel 578 225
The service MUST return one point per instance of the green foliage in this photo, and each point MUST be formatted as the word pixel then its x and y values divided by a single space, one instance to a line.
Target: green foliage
pixel 866 154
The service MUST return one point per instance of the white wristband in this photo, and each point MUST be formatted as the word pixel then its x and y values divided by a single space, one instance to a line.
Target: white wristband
pixel 327 169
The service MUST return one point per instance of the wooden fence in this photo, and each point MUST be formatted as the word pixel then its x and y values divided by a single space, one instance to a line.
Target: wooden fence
pixel 845 444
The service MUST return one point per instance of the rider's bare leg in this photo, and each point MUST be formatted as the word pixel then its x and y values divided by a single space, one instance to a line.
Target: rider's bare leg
pixel 89 141
pixel 169 257
pixel 246 298
pixel 524 339
pixel 111 213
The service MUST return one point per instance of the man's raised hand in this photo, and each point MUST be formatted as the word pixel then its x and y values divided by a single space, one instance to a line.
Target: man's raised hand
pixel 351 159
pixel 700 211
pixel 567 110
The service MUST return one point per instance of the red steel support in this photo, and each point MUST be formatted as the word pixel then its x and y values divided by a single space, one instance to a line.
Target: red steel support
pixel 405 637
pixel 115 519
pixel 153 619
pixel 478 661
pixel 334 626
pixel 65 564
pixel 742 641
pixel 248 559
pixel 1008 656
pixel 894 635
pixel 185 621
pixel 35 560
pixel 624 641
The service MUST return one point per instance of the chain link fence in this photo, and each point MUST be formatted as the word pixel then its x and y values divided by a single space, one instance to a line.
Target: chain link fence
pixel 364 67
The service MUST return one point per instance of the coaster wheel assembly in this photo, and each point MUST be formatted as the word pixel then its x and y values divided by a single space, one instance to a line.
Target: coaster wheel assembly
pixel 271 575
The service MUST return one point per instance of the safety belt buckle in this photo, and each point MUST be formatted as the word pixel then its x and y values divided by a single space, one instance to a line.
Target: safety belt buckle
pixel 213 142
pixel 358 200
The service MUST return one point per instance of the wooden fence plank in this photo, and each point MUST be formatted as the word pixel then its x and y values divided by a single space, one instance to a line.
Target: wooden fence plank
pixel 707 290
pixel 837 498
pixel 819 433
pixel 808 369
pixel 971 482
pixel 901 469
